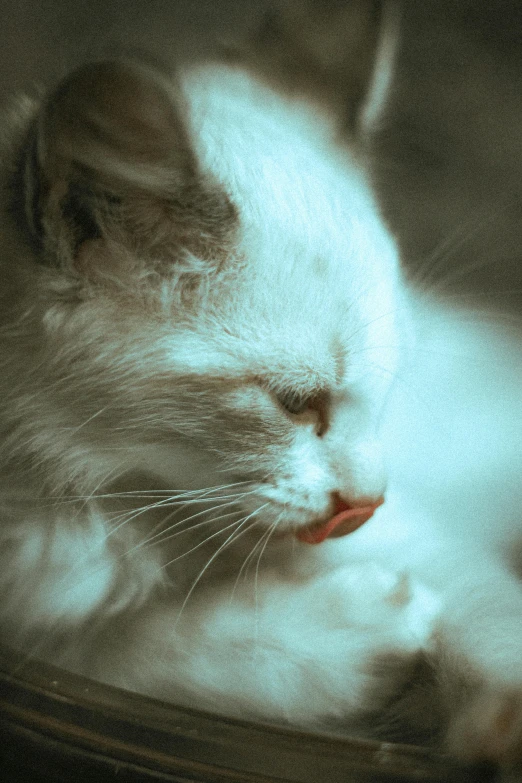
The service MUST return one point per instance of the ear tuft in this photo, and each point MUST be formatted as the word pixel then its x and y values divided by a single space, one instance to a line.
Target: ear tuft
pixel 120 122
pixel 109 160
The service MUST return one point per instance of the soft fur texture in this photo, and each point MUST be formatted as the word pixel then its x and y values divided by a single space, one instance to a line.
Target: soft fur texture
pixel 206 340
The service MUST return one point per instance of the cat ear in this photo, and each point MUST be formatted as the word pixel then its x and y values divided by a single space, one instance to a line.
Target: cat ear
pixel 339 53
pixel 110 176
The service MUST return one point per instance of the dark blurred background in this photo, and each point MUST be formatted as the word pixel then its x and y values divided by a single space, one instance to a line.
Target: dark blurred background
pixel 42 39
pixel 448 158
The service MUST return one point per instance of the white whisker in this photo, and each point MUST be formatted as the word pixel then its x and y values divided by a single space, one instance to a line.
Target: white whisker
pixel 266 538
pixel 164 537
pixel 170 493
pixel 425 276
pixel 246 563
pixel 238 531
pixel 205 540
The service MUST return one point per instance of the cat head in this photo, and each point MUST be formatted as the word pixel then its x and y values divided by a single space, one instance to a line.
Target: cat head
pixel 214 298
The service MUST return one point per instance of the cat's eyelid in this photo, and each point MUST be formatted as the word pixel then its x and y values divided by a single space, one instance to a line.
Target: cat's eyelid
pixel 308 408
pixel 295 402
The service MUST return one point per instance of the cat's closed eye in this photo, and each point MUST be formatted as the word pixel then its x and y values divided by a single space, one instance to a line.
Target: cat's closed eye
pixel 294 402
pixel 306 407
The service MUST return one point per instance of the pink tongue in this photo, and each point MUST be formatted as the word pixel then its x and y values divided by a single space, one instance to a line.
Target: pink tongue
pixel 345 521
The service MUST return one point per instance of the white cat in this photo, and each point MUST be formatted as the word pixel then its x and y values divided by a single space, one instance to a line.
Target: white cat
pixel 202 319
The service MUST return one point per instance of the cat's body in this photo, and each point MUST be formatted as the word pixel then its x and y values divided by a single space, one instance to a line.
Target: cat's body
pixel 211 319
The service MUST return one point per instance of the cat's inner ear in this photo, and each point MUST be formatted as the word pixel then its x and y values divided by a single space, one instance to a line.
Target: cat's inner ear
pixel 109 161
pixel 338 53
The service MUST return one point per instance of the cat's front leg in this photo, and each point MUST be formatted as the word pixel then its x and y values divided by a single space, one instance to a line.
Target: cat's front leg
pixel 480 649
pixel 305 651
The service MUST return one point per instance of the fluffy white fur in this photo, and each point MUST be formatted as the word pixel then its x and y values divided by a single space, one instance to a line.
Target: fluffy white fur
pixel 161 443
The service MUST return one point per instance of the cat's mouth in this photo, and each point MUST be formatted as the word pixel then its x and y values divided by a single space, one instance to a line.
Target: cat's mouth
pixel 346 520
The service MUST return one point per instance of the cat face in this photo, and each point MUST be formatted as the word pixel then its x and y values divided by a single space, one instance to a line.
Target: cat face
pixel 220 300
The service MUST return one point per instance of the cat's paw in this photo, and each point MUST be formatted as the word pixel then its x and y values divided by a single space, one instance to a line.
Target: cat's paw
pixel 489 728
